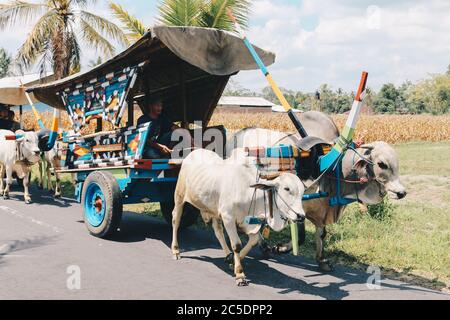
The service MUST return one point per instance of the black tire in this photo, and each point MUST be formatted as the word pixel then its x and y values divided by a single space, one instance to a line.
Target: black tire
pixel 113 206
pixel 190 214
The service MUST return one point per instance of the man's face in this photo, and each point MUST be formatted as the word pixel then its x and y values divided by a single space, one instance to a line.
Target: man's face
pixel 156 108
pixel 4 114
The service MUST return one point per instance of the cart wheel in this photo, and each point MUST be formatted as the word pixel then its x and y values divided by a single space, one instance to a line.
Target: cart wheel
pixel 102 204
pixel 190 214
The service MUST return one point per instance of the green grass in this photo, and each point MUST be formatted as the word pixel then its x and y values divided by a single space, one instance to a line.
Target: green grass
pixel 411 241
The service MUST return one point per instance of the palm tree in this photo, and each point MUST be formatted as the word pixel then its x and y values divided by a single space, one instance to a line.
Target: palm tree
pixel 5 61
pixel 200 13
pixel 60 27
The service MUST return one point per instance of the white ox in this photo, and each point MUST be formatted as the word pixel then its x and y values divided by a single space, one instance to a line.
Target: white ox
pixel 17 156
pixel 376 164
pixel 226 191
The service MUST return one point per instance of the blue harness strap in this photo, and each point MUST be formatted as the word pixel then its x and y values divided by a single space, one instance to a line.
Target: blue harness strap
pixel 338 199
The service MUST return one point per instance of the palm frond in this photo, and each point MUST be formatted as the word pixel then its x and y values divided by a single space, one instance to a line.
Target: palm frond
pixel 105 27
pixel 21 12
pixel 215 14
pixel 135 28
pixel 37 40
pixel 180 12
pixel 95 39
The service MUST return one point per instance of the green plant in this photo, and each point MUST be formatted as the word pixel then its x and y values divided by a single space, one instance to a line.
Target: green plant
pixel 382 211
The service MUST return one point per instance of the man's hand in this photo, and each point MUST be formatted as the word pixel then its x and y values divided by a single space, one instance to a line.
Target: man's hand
pixel 164 149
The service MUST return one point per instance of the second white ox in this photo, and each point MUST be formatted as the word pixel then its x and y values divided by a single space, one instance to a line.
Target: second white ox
pixel 226 191
pixel 18 156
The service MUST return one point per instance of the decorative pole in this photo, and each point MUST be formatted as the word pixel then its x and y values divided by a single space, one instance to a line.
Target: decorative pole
pixel 301 130
pixel 54 129
pixel 346 138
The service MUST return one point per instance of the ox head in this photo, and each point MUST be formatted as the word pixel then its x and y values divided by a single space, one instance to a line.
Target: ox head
pixel 381 166
pixel 29 146
pixel 287 192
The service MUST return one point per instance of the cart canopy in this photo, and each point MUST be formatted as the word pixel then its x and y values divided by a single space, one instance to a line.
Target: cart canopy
pixel 187 67
pixel 12 88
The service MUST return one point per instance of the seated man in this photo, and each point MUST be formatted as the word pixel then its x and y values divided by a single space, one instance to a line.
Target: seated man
pixel 7 119
pixel 160 132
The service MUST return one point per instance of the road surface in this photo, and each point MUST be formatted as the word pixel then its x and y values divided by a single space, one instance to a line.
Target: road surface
pixel 45 246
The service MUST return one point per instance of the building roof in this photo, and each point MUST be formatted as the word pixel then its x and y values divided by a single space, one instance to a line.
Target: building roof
pixel 280 109
pixel 245 101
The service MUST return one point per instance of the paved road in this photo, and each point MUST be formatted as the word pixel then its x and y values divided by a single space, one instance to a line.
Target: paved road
pixel 39 242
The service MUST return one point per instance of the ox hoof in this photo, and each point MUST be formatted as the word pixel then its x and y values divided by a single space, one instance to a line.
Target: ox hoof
pixel 28 201
pixel 6 196
pixel 282 249
pixel 176 257
pixel 326 266
pixel 242 282
pixel 57 196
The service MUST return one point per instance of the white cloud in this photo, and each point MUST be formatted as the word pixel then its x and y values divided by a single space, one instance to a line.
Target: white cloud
pixel 408 40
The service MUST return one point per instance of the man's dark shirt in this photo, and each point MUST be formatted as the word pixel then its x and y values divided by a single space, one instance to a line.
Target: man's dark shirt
pixel 158 127
pixel 9 125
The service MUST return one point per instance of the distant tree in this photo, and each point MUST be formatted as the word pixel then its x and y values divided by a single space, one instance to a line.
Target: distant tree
pixel 327 99
pixel 268 94
pixel 343 101
pixel 5 62
pixel 431 95
pixel 234 88
pixel 448 70
pixel 290 96
pixel 386 99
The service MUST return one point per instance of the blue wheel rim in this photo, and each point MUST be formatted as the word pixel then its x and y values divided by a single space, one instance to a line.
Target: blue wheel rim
pixel 94 205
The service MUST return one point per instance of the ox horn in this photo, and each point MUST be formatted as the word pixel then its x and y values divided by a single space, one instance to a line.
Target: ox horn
pixel 369 146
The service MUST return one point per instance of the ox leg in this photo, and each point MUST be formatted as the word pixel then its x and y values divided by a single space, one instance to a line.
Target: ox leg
pixel 9 170
pixel 176 220
pixel 253 240
pixel 57 186
pixel 49 178
pixel 41 174
pixel 218 231
pixel 324 264
pixel 236 245
pixel 2 178
pixel 26 183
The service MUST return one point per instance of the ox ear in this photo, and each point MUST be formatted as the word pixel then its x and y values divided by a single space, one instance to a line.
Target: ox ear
pixel 264 185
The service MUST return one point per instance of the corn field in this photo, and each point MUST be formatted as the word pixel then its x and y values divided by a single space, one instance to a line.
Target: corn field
pixel 389 128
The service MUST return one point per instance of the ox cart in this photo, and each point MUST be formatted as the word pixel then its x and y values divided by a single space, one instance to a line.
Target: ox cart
pixel 188 68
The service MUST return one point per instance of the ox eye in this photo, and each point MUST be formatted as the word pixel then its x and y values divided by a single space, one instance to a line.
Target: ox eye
pixel 287 189
pixel 383 165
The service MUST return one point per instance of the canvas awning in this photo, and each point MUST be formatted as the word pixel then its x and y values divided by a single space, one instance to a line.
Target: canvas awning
pixel 188 67
pixel 12 88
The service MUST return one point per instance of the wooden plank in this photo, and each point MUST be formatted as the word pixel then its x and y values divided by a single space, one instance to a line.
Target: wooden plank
pixel 108 148
pixel 92 169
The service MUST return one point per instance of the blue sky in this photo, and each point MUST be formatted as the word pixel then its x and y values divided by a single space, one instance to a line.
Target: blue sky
pixel 330 41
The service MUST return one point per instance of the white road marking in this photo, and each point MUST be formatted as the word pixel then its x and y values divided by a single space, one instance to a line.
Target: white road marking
pixel 17 214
